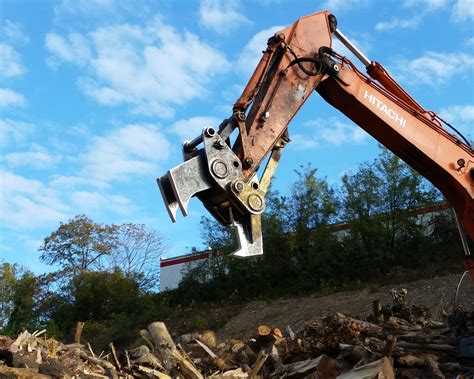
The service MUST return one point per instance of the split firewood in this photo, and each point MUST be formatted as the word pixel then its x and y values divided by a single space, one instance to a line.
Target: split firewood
pixel 231 374
pixel 206 349
pixel 262 357
pixel 153 373
pixel 186 366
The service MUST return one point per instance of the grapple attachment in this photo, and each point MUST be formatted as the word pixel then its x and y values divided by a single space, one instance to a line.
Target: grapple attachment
pixel 214 175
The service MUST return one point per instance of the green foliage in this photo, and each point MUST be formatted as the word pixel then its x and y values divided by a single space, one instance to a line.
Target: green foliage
pixel 23 301
pixel 303 253
pixel 78 245
pixel 8 278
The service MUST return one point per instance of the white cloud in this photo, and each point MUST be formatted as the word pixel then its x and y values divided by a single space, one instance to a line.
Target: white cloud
pixel 222 16
pixel 129 151
pixel 463 10
pixel 399 23
pixel 190 128
pixel 252 52
pixel 461 117
pixel 433 68
pixel 10 62
pixel 424 8
pixel 74 49
pixel 152 68
pixel 14 32
pixel 10 98
pixel 84 7
pixel 38 157
pixel 28 203
pixel 92 203
pixel 426 4
pixel 329 132
pixel 339 6
pixel 14 132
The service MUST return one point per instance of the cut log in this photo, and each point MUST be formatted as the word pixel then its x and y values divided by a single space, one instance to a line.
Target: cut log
pixel 411 361
pixel 264 330
pixel 77 335
pixel 426 346
pixel 165 346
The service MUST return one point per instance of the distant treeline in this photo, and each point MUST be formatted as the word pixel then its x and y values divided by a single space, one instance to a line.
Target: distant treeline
pixel 107 275
pixel 384 243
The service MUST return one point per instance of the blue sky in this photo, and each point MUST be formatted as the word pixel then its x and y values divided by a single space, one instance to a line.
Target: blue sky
pixel 97 95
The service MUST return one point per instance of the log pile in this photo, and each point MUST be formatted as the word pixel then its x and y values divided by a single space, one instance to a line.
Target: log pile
pixel 395 342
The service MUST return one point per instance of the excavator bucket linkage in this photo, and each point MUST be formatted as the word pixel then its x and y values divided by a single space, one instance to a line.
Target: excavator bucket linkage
pixel 214 174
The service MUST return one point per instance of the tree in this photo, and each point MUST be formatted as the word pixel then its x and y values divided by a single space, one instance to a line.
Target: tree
pixel 377 201
pixel 23 301
pixel 9 275
pixel 78 245
pixel 82 245
pixel 136 253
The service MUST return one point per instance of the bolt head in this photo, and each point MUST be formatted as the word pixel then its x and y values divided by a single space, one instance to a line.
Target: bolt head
pixel 239 186
pixel 248 162
pixel 256 202
pixel 219 144
pixel 219 169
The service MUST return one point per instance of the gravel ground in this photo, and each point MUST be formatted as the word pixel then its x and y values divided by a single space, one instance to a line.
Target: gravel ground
pixel 436 294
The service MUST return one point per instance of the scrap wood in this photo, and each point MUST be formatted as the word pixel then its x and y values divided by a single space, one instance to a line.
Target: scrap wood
pixel 323 365
pixel 426 346
pixel 230 374
pixel 336 345
pixel 377 369
pixel 262 357
pixel 155 373
pixel 206 349
pixel 186 366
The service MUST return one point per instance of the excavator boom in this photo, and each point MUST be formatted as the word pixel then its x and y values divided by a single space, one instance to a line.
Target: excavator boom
pixel 298 61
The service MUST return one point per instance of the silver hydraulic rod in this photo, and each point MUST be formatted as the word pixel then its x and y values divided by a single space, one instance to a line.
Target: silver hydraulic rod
pixel 354 50
pixel 462 234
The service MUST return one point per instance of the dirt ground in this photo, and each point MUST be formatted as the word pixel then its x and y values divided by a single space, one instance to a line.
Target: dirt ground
pixel 436 294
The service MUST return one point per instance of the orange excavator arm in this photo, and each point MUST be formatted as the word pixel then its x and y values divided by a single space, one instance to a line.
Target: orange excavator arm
pixel 298 61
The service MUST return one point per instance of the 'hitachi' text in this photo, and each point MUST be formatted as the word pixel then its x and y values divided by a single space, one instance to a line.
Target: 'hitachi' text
pixel 384 108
